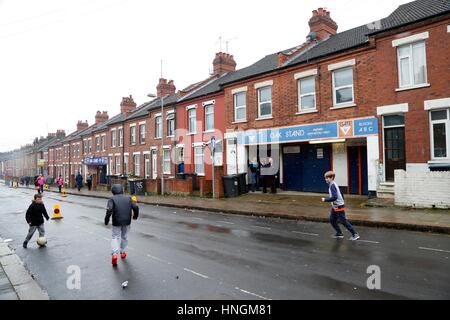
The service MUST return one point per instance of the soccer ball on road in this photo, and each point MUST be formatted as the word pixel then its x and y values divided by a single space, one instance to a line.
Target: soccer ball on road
pixel 41 241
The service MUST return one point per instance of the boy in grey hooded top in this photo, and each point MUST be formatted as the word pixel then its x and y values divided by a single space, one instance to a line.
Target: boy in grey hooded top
pixel 120 208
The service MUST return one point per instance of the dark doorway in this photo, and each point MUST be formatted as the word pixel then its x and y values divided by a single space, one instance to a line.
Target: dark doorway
pixel 357 170
pixel 394 150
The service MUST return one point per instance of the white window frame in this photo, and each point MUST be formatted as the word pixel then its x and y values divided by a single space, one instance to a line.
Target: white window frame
pixel 137 164
pixel 133 136
pixel 447 133
pixel 126 163
pixel 120 137
pixel 335 89
pixel 146 165
pixel 202 165
pixel 259 102
pixel 166 161
pixel 142 133
pixel 158 127
pixel 170 119
pixel 411 63
pixel 192 111
pixel 118 165
pixel 244 93
pixel 97 144
pixel 300 95
pixel 113 138
pixel 103 142
pixel 209 113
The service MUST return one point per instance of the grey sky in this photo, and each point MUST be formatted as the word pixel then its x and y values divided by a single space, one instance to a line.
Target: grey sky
pixel 62 60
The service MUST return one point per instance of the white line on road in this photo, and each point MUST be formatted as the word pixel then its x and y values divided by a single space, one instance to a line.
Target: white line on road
pixel 267 228
pixel 156 258
pixel 107 239
pixel 225 222
pixel 431 249
pixel 376 242
pixel 306 233
pixel 196 273
pixel 253 294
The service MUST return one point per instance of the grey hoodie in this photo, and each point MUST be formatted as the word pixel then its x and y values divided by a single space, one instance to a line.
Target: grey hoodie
pixel 120 207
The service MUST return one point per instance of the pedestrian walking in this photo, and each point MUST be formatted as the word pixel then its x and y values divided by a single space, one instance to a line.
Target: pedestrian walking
pixel 89 181
pixel 35 218
pixel 119 207
pixel 79 181
pixel 60 183
pixel 36 185
pixel 41 181
pixel 337 212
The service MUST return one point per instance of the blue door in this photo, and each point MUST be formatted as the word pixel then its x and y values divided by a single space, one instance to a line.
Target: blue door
pixel 357 165
pixel 316 161
pixel 292 165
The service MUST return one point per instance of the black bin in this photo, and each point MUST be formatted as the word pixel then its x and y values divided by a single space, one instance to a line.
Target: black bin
pixel 243 188
pixel 231 185
pixel 137 187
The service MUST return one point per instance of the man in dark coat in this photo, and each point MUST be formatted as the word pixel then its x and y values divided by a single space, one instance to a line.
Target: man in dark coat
pixel 35 218
pixel 79 180
pixel 120 207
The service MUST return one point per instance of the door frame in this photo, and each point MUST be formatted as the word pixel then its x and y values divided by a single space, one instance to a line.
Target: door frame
pixel 154 164
pixel 383 139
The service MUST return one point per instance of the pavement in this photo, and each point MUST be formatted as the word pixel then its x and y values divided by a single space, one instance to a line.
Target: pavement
pixel 303 206
pixel 189 254
pixel 16 283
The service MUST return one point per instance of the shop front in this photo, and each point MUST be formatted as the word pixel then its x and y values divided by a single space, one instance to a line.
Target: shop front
pixel 302 154
pixel 97 166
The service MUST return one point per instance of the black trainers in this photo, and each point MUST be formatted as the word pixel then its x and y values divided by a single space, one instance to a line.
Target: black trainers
pixel 25 244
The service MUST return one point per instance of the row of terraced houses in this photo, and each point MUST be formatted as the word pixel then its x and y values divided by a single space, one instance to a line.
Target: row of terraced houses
pixel 364 102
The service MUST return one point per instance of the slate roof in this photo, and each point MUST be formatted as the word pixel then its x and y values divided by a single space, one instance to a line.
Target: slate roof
pixel 405 14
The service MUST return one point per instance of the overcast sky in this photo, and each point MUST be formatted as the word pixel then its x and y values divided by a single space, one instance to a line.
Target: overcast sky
pixel 62 60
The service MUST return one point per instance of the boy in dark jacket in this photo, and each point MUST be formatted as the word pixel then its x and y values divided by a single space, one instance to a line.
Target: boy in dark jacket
pixel 120 207
pixel 35 218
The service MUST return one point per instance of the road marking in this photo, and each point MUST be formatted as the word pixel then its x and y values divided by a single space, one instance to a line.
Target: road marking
pixel 267 228
pixel 225 222
pixel 196 273
pixel 107 239
pixel 431 249
pixel 306 233
pixel 156 258
pixel 253 294
pixel 376 242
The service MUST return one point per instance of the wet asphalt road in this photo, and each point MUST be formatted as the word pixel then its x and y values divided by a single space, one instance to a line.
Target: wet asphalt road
pixel 185 254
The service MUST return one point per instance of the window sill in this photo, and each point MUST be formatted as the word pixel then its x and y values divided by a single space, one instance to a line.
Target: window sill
pixel 343 106
pixel 439 161
pixel 265 118
pixel 170 136
pixel 307 111
pixel 200 174
pixel 425 85
pixel 240 121
pixel 191 133
pixel 157 138
pixel 209 131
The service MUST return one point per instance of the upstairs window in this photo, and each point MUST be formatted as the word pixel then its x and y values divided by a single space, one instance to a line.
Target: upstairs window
pixel 265 102
pixel 343 87
pixel 412 64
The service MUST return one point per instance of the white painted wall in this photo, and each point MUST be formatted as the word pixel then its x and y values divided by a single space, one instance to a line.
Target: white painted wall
pixel 231 158
pixel 340 164
pixel 242 159
pixel 417 167
pixel 422 189
pixel 373 155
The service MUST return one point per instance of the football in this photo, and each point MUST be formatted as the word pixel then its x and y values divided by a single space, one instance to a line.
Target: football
pixel 41 241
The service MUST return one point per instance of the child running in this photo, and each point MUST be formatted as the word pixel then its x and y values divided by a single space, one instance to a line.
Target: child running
pixel 35 218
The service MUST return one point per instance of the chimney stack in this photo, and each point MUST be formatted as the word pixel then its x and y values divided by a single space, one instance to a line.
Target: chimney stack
pixel 101 117
pixel 165 88
pixel 60 133
pixel 82 125
pixel 322 24
pixel 127 105
pixel 223 63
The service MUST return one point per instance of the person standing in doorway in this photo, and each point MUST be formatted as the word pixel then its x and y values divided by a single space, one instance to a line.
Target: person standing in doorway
pixel 337 208
pixel 254 169
pixel 119 207
pixel 79 181
pixel 89 181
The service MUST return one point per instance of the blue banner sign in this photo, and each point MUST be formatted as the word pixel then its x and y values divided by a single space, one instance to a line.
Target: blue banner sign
pixel 329 130
pixel 96 161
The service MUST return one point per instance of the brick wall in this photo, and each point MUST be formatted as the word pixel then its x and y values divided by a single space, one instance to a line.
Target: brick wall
pixel 422 189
